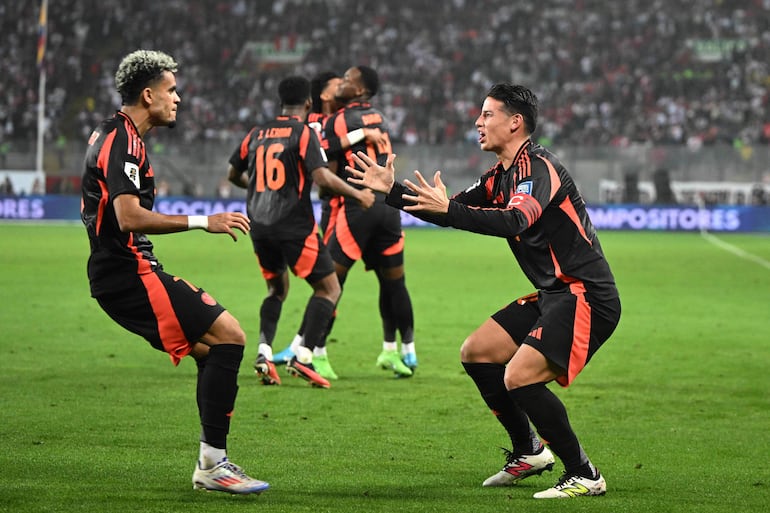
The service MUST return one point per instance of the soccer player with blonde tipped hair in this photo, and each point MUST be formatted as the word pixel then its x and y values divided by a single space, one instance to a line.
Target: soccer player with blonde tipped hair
pixel 128 281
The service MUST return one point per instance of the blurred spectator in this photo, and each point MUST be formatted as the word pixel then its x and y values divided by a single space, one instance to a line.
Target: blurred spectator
pixel 224 189
pixel 163 189
pixel 6 187
pixel 37 187
pixel 758 196
pixel 683 72
pixel 664 195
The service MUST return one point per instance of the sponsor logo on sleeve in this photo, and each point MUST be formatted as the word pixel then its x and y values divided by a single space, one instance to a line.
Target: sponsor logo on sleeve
pixel 132 172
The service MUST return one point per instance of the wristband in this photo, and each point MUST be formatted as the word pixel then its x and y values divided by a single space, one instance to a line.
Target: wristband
pixel 201 222
pixel 356 136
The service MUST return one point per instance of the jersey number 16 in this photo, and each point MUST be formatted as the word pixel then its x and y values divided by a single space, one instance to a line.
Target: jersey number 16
pixel 270 171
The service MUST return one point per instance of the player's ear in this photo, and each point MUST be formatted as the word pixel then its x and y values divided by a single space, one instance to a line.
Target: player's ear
pixel 146 95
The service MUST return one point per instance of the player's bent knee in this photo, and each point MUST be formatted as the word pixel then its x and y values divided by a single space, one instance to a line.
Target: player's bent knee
pixel 328 288
pixel 470 351
pixel 511 382
pixel 226 330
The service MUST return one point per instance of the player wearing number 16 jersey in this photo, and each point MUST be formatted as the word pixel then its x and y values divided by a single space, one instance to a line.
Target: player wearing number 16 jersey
pixel 374 235
pixel 278 163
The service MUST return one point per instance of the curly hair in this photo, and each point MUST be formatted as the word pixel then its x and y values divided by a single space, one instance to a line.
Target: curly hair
pixel 140 69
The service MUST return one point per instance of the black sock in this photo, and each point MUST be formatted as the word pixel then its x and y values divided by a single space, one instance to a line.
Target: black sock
pixel 317 315
pixel 549 416
pixel 396 310
pixel 199 388
pixel 489 380
pixel 217 389
pixel 269 314
pixel 322 341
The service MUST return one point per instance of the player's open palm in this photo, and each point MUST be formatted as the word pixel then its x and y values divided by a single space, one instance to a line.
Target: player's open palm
pixel 372 175
pixel 228 222
pixel 428 198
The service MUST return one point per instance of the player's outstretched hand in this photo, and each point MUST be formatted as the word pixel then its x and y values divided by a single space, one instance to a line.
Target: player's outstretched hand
pixel 226 222
pixel 427 198
pixel 373 176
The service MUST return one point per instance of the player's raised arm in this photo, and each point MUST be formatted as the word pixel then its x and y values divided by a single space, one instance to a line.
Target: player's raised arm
pixel 132 217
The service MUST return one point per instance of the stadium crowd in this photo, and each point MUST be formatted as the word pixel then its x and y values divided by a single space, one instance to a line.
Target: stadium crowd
pixel 687 72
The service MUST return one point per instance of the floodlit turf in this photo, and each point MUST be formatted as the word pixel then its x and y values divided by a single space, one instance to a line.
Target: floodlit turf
pixel 674 409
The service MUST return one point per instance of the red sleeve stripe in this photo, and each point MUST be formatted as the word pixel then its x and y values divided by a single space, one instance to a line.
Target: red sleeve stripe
pixel 104 198
pixel 554 175
pixel 304 140
pixel 525 166
pixel 102 163
pixel 489 186
pixel 245 144
pixel 568 208
pixel 134 142
pixel 171 334
pixel 341 128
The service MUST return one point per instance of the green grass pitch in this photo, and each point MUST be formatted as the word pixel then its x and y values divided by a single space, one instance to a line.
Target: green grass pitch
pixel 675 409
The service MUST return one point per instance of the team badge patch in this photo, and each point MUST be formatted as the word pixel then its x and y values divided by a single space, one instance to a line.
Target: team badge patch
pixel 524 187
pixel 132 172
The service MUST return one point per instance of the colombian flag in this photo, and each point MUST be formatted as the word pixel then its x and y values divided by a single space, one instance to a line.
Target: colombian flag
pixel 42 30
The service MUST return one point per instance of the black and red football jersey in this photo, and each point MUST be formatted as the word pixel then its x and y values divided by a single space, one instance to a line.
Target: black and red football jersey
pixel 116 163
pixel 351 117
pixel 536 206
pixel 279 158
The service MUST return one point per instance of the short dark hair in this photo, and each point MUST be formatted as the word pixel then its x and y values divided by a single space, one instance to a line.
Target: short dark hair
pixel 317 85
pixel 370 79
pixel 517 100
pixel 140 69
pixel 294 90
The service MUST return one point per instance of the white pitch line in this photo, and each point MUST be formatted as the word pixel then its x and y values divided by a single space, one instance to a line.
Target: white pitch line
pixel 735 250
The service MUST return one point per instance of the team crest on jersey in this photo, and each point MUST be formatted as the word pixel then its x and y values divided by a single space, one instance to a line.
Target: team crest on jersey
pixel 524 187
pixel 132 172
